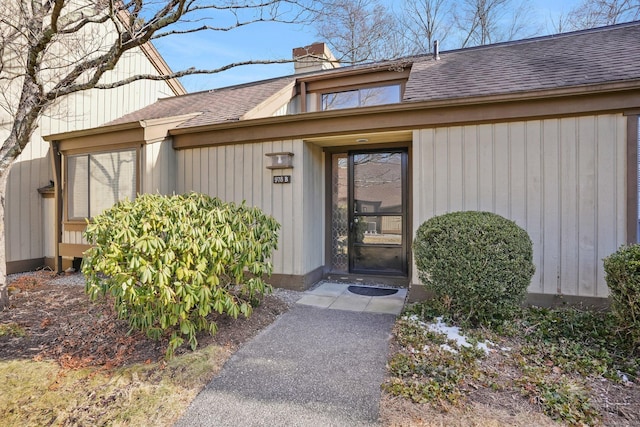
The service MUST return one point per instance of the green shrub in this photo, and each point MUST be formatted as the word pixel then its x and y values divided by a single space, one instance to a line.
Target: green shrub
pixel 479 264
pixel 169 261
pixel 622 273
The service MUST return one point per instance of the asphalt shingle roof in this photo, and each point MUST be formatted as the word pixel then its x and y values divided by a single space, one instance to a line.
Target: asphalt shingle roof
pixel 602 55
pixel 216 106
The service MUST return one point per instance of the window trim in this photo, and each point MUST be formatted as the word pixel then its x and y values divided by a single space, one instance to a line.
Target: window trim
pixel 75 222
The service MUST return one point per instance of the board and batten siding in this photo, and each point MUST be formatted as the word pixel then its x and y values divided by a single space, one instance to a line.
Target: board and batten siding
pixel 237 173
pixel 157 168
pixel 24 220
pixel 563 180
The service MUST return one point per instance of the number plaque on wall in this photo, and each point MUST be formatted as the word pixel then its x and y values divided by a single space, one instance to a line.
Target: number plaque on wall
pixel 282 179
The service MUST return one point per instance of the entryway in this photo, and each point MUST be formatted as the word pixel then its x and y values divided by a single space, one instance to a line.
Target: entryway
pixel 369 212
pixel 341 296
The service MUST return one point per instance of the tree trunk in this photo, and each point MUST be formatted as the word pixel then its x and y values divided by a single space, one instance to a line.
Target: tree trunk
pixel 24 124
pixel 4 294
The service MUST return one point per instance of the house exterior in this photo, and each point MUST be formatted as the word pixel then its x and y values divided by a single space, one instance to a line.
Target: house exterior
pixel 29 205
pixel 352 160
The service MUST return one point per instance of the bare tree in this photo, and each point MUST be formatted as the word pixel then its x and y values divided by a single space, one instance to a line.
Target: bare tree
pixel 598 13
pixel 50 49
pixel 359 30
pixel 426 21
pixel 560 24
pixel 481 22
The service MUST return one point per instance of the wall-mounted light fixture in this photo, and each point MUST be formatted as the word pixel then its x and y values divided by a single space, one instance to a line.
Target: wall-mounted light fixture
pixel 280 160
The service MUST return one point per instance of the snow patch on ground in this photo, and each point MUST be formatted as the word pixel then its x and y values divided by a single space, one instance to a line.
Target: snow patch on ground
pixel 453 333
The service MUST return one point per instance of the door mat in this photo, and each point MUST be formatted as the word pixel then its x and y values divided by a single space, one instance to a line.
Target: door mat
pixel 371 292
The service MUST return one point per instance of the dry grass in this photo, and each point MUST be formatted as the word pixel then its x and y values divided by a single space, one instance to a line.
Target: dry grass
pixel 398 412
pixel 36 393
pixel 65 361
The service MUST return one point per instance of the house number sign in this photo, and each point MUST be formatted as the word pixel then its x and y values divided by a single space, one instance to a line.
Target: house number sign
pixel 282 179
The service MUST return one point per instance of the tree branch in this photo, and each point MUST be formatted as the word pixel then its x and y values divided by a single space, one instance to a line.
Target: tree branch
pixel 189 72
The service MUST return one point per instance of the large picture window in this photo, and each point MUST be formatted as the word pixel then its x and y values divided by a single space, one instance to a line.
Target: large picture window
pixel 97 181
pixel 364 97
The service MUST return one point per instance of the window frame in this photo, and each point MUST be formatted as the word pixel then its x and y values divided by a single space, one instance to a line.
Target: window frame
pixel 135 148
pixel 342 89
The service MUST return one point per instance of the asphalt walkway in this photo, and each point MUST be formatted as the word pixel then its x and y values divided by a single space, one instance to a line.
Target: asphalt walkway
pixel 313 366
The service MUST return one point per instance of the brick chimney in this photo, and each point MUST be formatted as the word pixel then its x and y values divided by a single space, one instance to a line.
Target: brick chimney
pixel 316 57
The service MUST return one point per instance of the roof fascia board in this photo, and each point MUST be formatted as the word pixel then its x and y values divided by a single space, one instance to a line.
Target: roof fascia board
pixel 171 121
pixel 408 116
pixel 155 58
pixel 92 131
pixel 356 70
pixel 162 67
pixel 353 80
pixel 144 131
pixel 95 141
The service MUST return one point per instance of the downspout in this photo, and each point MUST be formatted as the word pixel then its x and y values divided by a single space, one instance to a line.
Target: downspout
pixel 56 162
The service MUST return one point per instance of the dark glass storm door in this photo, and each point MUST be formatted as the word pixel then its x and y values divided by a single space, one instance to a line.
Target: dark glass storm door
pixel 377 212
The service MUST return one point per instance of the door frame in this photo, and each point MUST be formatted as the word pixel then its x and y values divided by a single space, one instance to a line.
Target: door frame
pixel 400 280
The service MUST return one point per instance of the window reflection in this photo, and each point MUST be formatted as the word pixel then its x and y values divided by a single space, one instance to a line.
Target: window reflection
pixel 364 97
pixel 98 181
pixel 378 182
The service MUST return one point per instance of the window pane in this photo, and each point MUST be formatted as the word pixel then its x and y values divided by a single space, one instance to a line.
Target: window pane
pixel 378 230
pixel 338 100
pixel 78 191
pixel 113 178
pixel 379 95
pixel 364 97
pixel 377 182
pixel 376 258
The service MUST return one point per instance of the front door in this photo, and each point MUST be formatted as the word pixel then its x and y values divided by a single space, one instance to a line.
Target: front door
pixel 369 221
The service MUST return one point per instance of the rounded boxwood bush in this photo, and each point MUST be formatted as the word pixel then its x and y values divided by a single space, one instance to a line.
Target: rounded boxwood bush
pixel 622 273
pixel 478 264
pixel 170 261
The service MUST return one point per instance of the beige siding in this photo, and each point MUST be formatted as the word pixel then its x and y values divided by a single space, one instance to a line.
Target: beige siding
pixel 282 111
pixel 563 180
pixel 74 237
pixel 158 168
pixel 237 173
pixel 48 231
pixel 32 169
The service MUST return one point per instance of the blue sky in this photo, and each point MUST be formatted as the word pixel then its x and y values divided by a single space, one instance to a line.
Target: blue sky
pixel 263 41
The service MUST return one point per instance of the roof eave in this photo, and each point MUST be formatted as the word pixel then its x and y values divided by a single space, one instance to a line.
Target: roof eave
pixel 93 131
pixel 411 116
pixel 354 70
pixel 418 105
pixel 166 122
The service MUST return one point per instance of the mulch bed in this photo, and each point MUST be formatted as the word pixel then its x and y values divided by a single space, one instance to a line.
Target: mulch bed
pixel 61 323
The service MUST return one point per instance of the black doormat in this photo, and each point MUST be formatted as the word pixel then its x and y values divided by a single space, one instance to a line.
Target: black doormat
pixel 371 292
